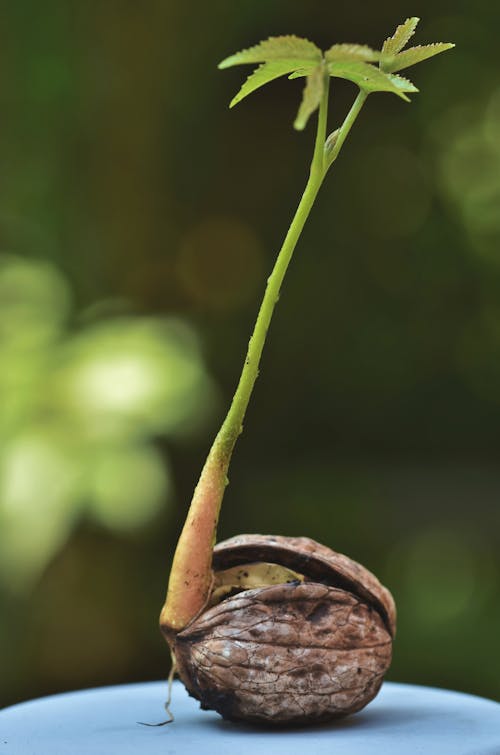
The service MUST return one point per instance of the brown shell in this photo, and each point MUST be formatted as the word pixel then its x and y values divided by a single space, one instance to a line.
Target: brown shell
pixel 317 562
pixel 292 653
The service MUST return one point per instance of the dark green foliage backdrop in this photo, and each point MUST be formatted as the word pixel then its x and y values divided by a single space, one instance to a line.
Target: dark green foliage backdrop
pixel 375 426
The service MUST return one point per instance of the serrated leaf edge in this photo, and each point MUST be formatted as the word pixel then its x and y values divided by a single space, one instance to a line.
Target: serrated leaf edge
pixel 391 65
pixel 409 85
pixel 404 32
pixel 283 70
pixel 350 51
pixel 254 55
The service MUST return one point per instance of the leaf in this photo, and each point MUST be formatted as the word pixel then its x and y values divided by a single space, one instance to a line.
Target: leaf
pixel 287 47
pixel 300 72
pixel 403 84
pixel 346 52
pixel 311 97
pixel 415 55
pixel 401 37
pixel 262 75
pixel 372 79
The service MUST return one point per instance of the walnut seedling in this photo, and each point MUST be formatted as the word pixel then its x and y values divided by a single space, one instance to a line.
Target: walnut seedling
pixel 273 629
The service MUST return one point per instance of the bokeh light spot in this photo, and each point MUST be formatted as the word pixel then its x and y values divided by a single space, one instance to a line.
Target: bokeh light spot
pixel 34 301
pixel 78 414
pixel 441 573
pixel 129 486
pixel 125 376
pixel 470 173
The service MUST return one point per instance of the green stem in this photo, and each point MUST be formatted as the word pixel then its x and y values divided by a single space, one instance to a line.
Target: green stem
pixel 346 127
pixel 191 574
pixel 318 161
pixel 233 423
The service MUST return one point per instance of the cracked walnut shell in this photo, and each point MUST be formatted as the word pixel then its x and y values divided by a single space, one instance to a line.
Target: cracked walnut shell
pixel 307 650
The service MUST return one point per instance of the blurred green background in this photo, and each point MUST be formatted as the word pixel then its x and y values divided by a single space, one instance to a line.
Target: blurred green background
pixel 139 219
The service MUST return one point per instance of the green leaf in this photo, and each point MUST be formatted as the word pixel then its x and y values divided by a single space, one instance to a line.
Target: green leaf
pixel 401 37
pixel 288 47
pixel 300 72
pixel 347 52
pixel 311 97
pixel 262 75
pixel 372 79
pixel 416 55
pixel 403 84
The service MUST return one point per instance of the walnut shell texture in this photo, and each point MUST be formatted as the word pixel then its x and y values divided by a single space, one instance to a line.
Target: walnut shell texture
pixel 294 653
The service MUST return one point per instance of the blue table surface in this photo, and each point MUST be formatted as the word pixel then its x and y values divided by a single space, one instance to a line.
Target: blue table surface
pixel 402 720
